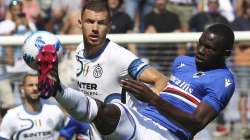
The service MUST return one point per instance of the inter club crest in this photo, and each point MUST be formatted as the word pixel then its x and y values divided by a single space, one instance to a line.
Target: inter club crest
pixel 97 71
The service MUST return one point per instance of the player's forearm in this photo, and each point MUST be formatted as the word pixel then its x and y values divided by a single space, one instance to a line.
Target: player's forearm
pixel 184 119
pixel 78 105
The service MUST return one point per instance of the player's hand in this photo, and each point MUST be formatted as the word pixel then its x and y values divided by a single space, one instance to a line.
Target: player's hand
pixel 48 80
pixel 139 90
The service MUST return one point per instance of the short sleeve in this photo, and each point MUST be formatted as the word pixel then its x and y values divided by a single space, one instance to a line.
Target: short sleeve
pixel 7 128
pixel 219 91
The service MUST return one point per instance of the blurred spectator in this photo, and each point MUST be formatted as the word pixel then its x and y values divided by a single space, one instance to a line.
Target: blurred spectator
pixel 6 95
pixel 61 9
pixel 242 22
pixel 184 9
pixel 202 20
pixel 16 24
pixel 160 20
pixel 43 21
pixel 32 9
pixel 242 71
pixel 242 68
pixel 3 9
pixel 121 22
pixel 32 120
pixel 226 8
pixel 137 9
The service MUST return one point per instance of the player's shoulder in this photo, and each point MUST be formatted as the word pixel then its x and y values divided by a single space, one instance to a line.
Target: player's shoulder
pixel 116 47
pixel 14 111
pixel 52 108
pixel 183 59
pixel 80 47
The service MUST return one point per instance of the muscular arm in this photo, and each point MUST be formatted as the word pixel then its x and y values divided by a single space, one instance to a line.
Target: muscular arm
pixel 193 122
pixel 155 78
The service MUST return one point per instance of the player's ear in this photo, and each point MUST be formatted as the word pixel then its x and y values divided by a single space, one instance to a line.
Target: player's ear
pixel 22 92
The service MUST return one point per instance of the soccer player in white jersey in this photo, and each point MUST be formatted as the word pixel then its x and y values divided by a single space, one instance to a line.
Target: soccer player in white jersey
pixel 32 120
pixel 100 63
pixel 199 89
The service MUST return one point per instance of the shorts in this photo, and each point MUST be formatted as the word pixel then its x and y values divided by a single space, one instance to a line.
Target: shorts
pixel 134 126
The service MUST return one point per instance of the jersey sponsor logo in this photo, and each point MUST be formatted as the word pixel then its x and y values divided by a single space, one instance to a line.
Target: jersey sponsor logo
pixel 227 82
pixel 89 93
pixel 37 134
pixel 89 86
pixel 181 84
pixel 97 73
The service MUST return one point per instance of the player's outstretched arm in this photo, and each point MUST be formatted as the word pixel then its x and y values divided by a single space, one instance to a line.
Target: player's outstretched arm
pixel 154 78
pixel 193 122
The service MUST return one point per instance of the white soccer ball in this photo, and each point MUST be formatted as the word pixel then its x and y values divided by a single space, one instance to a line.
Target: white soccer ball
pixel 35 42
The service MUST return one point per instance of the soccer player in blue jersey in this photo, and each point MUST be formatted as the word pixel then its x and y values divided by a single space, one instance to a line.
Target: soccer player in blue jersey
pixel 199 88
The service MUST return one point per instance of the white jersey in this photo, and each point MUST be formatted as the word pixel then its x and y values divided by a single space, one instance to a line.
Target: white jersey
pixel 18 124
pixel 99 76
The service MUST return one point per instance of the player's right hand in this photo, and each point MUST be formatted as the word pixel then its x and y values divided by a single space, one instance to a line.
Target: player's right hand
pixel 139 90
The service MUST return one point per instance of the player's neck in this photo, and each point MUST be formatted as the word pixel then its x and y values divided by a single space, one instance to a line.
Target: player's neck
pixel 211 67
pixel 33 106
pixel 90 51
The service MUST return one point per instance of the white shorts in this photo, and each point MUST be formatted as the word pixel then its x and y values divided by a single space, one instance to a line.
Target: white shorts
pixel 134 126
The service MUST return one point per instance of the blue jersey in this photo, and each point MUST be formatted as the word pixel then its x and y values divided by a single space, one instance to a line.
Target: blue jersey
pixel 188 87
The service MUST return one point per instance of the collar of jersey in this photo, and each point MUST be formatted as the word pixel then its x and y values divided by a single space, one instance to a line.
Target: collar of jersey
pixel 98 52
pixel 33 113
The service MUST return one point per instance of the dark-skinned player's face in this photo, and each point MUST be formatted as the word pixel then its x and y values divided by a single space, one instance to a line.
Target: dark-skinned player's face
pixel 210 50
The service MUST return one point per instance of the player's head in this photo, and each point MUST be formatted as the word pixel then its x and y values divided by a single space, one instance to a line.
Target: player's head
pixel 95 22
pixel 215 43
pixel 29 87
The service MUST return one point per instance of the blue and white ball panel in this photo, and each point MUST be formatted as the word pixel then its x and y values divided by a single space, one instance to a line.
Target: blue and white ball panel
pixel 136 68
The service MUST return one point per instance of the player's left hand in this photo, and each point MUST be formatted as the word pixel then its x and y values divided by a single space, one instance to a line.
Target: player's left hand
pixel 139 90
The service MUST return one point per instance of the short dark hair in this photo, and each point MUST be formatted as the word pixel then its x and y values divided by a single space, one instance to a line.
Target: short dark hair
pixel 28 74
pixel 225 32
pixel 96 5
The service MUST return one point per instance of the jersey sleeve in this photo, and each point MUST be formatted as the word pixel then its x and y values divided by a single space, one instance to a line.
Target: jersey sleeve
pixel 136 68
pixel 175 63
pixel 128 63
pixel 7 128
pixel 219 91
